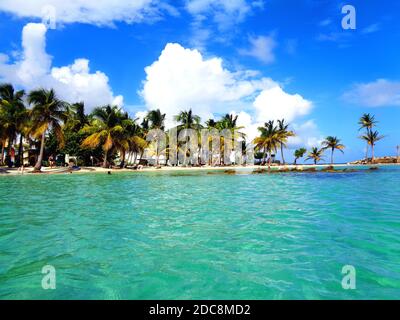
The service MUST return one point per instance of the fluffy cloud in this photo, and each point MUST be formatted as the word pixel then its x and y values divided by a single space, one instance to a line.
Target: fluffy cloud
pixel 99 12
pixel 379 93
pixel 261 48
pixel 73 83
pixel 274 104
pixel 182 78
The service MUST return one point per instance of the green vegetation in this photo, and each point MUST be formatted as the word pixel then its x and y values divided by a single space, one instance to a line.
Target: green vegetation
pixel 41 125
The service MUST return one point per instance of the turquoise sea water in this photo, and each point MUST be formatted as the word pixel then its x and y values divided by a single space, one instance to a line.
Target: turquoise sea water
pixel 201 236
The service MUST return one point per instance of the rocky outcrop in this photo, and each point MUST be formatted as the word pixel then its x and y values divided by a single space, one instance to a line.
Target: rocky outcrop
pixel 382 160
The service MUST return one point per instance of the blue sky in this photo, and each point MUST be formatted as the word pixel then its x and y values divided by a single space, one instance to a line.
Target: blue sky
pixel 327 76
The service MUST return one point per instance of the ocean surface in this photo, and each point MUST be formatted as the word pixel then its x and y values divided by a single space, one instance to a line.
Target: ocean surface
pixel 185 235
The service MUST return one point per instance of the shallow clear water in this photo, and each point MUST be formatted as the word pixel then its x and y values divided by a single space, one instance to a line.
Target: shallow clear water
pixel 201 236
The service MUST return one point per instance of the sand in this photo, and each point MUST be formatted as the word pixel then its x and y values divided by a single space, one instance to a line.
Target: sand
pixel 14 171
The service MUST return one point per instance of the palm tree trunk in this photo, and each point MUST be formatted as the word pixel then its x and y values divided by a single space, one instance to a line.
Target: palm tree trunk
pixel 157 156
pixel 105 159
pixel 366 154
pixel 332 155
pixel 20 160
pixel 38 164
pixel 141 155
pixel 264 156
pixel 135 158
pixel 8 157
pixel 295 161
pixel 269 162
pixel 2 154
pixel 372 153
pixel 122 165
pixel 283 159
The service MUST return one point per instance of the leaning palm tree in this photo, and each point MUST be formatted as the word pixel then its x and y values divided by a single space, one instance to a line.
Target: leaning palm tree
pixel 299 153
pixel 284 134
pixel 315 154
pixel 332 143
pixel 367 121
pixel 14 115
pixel 372 137
pixel 48 112
pixel 268 141
pixel 106 129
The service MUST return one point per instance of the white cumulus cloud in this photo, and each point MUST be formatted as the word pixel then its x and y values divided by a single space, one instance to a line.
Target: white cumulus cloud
pixel 182 78
pixel 72 83
pixel 274 104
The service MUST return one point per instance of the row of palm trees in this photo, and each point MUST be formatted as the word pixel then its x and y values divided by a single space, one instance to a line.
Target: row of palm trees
pixel 109 131
pixel 276 136
pixel 371 137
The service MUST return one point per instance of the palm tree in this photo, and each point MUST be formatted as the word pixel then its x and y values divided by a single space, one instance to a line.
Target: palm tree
pixel 268 141
pixel 3 137
pixel 76 117
pixel 157 122
pixel 131 138
pixel 332 143
pixel 48 112
pixel 24 127
pixel 284 134
pixel 187 120
pixel 299 153
pixel 14 116
pixel 156 119
pixel 315 154
pixel 367 121
pixel 106 129
pixel 229 122
pixel 372 137
pixel 211 123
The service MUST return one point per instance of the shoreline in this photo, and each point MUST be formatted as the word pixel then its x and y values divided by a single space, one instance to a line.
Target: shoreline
pixel 84 170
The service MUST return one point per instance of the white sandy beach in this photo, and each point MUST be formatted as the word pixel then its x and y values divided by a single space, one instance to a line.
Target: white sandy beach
pixel 84 170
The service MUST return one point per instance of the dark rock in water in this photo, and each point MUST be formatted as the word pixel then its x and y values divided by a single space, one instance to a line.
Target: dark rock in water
pixel 259 171
pixel 373 168
pixel 309 170
pixel 230 171
pixel 346 170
